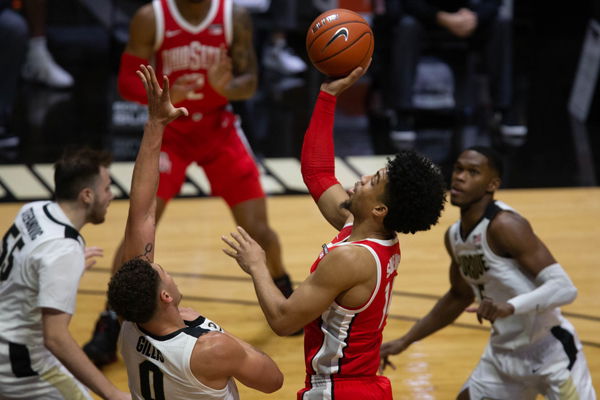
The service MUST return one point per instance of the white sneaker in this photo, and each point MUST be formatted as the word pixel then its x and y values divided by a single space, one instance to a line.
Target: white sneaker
pixel 40 66
pixel 513 130
pixel 282 59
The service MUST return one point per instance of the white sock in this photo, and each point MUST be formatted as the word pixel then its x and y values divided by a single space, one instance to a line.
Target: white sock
pixel 37 43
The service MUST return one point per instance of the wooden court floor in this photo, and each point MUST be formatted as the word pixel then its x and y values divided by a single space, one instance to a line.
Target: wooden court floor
pixel 189 247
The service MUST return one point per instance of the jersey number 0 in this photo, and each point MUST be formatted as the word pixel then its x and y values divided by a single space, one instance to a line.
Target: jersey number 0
pixel 147 368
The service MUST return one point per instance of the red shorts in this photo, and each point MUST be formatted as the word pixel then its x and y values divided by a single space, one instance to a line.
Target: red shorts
pixel 221 152
pixel 367 388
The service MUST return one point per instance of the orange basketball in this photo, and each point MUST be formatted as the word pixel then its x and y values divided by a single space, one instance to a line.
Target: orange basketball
pixel 338 41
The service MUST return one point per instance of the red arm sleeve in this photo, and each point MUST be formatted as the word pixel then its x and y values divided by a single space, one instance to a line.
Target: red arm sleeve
pixel 317 160
pixel 130 86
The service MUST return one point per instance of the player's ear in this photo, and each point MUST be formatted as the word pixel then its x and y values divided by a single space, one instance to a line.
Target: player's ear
pixel 86 195
pixel 165 296
pixel 380 210
pixel 494 184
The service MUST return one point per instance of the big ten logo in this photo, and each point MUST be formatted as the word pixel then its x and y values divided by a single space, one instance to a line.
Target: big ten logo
pixel 392 265
pixel 211 326
pixel 472 265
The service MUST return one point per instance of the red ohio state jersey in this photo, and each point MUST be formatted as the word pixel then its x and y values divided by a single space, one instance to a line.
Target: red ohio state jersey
pixel 183 49
pixel 343 342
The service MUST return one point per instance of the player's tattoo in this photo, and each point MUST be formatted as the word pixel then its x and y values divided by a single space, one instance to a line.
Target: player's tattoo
pixel 147 250
pixel 242 48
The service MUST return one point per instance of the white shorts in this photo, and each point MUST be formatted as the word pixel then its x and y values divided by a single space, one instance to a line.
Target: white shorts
pixel 554 367
pixel 20 379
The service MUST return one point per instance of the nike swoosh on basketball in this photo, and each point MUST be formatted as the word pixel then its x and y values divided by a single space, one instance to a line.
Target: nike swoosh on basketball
pixel 340 32
pixel 170 34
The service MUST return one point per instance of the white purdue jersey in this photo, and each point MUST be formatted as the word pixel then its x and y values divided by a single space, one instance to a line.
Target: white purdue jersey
pixel 41 262
pixel 500 279
pixel 158 367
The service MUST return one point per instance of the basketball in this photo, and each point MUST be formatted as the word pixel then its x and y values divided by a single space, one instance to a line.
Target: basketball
pixel 338 41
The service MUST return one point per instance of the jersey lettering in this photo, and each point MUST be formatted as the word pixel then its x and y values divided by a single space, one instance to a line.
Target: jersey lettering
pixel 193 56
pixel 146 348
pixel 472 265
pixel 13 240
pixel 32 224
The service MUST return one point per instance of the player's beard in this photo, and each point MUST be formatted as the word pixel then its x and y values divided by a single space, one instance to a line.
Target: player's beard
pixel 346 204
pixel 97 213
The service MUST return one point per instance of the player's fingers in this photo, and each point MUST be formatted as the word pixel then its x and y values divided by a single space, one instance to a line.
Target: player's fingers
pixel 471 309
pixel 357 73
pixel 94 251
pixel 237 237
pixel 142 77
pixel 153 78
pixel 182 111
pixel 244 234
pixel 89 264
pixel 165 92
pixel 147 74
pixel 230 253
pixel 235 246
pixel 479 318
pixel 388 363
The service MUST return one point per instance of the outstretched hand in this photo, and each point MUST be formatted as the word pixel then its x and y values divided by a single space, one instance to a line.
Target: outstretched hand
pixel 388 349
pixel 245 250
pixel 160 109
pixel 90 255
pixel 336 87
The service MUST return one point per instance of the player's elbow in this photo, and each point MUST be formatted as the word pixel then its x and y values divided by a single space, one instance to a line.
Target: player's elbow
pixel 274 381
pixel 570 294
pixel 285 326
pixel 53 341
pixel 281 329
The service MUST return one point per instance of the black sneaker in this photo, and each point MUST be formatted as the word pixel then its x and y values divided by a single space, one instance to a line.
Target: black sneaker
pixel 284 284
pixel 102 348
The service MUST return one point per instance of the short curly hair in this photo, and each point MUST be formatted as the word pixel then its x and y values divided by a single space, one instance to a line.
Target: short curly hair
pixel 133 289
pixel 415 193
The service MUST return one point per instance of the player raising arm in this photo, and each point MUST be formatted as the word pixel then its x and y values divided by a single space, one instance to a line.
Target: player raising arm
pixel 343 303
pixel 183 354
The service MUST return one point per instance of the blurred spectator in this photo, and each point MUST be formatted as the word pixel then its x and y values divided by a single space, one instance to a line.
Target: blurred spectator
pixel 276 18
pixel 474 25
pixel 278 56
pixel 39 65
pixel 13 31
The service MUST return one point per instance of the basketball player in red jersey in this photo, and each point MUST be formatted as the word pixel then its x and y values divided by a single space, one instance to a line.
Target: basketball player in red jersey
pixel 343 303
pixel 205 48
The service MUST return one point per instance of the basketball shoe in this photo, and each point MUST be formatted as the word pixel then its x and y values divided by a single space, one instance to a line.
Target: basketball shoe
pixel 40 66
pixel 102 348
pixel 279 57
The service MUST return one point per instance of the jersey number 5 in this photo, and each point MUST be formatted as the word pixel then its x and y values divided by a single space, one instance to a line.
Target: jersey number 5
pixel 12 239
pixel 147 368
